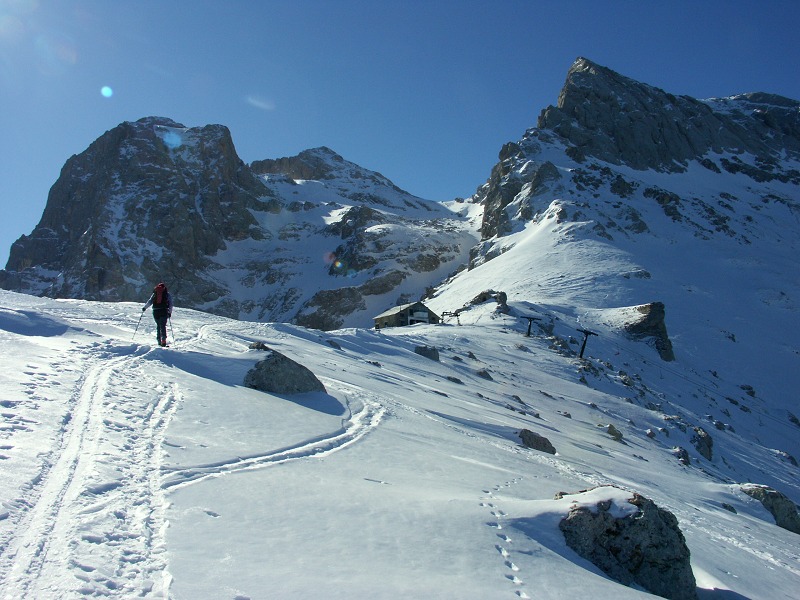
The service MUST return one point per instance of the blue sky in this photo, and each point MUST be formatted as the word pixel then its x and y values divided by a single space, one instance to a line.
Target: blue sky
pixel 424 91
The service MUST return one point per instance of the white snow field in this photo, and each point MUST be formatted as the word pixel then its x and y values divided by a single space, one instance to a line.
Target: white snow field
pixel 132 471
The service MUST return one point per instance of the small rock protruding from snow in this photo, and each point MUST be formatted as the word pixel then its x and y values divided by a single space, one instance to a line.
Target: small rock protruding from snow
pixel 615 433
pixel 428 352
pixel 279 374
pixel 682 455
pixel 703 442
pixel 531 439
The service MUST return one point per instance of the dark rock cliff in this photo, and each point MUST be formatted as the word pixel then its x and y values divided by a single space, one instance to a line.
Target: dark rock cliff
pixel 604 119
pixel 146 201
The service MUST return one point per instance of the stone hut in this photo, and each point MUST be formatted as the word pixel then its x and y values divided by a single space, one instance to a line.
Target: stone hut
pixel 406 314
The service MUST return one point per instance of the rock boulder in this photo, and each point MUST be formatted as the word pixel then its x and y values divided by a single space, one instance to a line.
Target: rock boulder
pixel 278 374
pixel 644 546
pixel 780 506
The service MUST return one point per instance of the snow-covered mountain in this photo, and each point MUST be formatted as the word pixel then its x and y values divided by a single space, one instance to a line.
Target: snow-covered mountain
pixel 582 236
pixel 665 225
pixel 153 200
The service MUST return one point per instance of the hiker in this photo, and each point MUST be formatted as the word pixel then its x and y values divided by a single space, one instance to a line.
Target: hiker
pixel 162 311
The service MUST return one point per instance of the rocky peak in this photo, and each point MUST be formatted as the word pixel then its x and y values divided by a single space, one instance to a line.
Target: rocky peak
pixel 154 200
pixel 314 164
pixel 147 200
pixel 608 116
pixel 604 119
pixel 320 164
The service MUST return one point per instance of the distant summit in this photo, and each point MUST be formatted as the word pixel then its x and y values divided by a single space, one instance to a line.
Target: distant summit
pixel 612 183
pixel 324 165
pixel 312 238
pixel 147 200
pixel 605 115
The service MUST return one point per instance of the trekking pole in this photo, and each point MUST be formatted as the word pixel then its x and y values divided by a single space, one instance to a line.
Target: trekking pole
pixel 137 325
pixel 172 333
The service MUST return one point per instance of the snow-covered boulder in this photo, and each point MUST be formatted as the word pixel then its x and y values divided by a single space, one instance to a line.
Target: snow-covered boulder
pixel 279 374
pixel 633 541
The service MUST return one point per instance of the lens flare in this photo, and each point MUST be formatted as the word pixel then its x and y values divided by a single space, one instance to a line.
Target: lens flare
pixel 338 267
pixel 56 53
pixel 106 91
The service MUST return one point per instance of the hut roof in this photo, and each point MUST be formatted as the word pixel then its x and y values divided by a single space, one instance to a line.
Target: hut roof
pixel 401 308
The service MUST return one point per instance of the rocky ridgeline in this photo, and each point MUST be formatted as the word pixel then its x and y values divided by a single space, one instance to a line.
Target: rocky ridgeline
pixel 154 200
pixel 604 120
pixel 613 118
pixel 316 240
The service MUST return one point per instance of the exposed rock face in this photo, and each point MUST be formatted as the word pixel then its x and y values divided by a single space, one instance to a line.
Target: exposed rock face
pixel 786 512
pixel 278 374
pixel 648 322
pixel 531 439
pixel 154 200
pixel 621 121
pixel 147 201
pixel 508 183
pixel 647 547
pixel 703 443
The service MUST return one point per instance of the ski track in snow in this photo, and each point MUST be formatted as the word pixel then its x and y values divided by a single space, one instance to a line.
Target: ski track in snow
pixel 78 532
pixel 92 523
pixel 366 413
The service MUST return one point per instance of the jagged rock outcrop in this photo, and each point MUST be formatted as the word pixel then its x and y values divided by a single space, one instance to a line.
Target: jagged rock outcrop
pixel 786 512
pixel 645 547
pixel 648 322
pixel 605 115
pixel 147 201
pixel 279 374
pixel 508 183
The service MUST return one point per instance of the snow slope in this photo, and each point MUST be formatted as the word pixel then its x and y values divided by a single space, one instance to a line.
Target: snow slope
pixel 134 471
